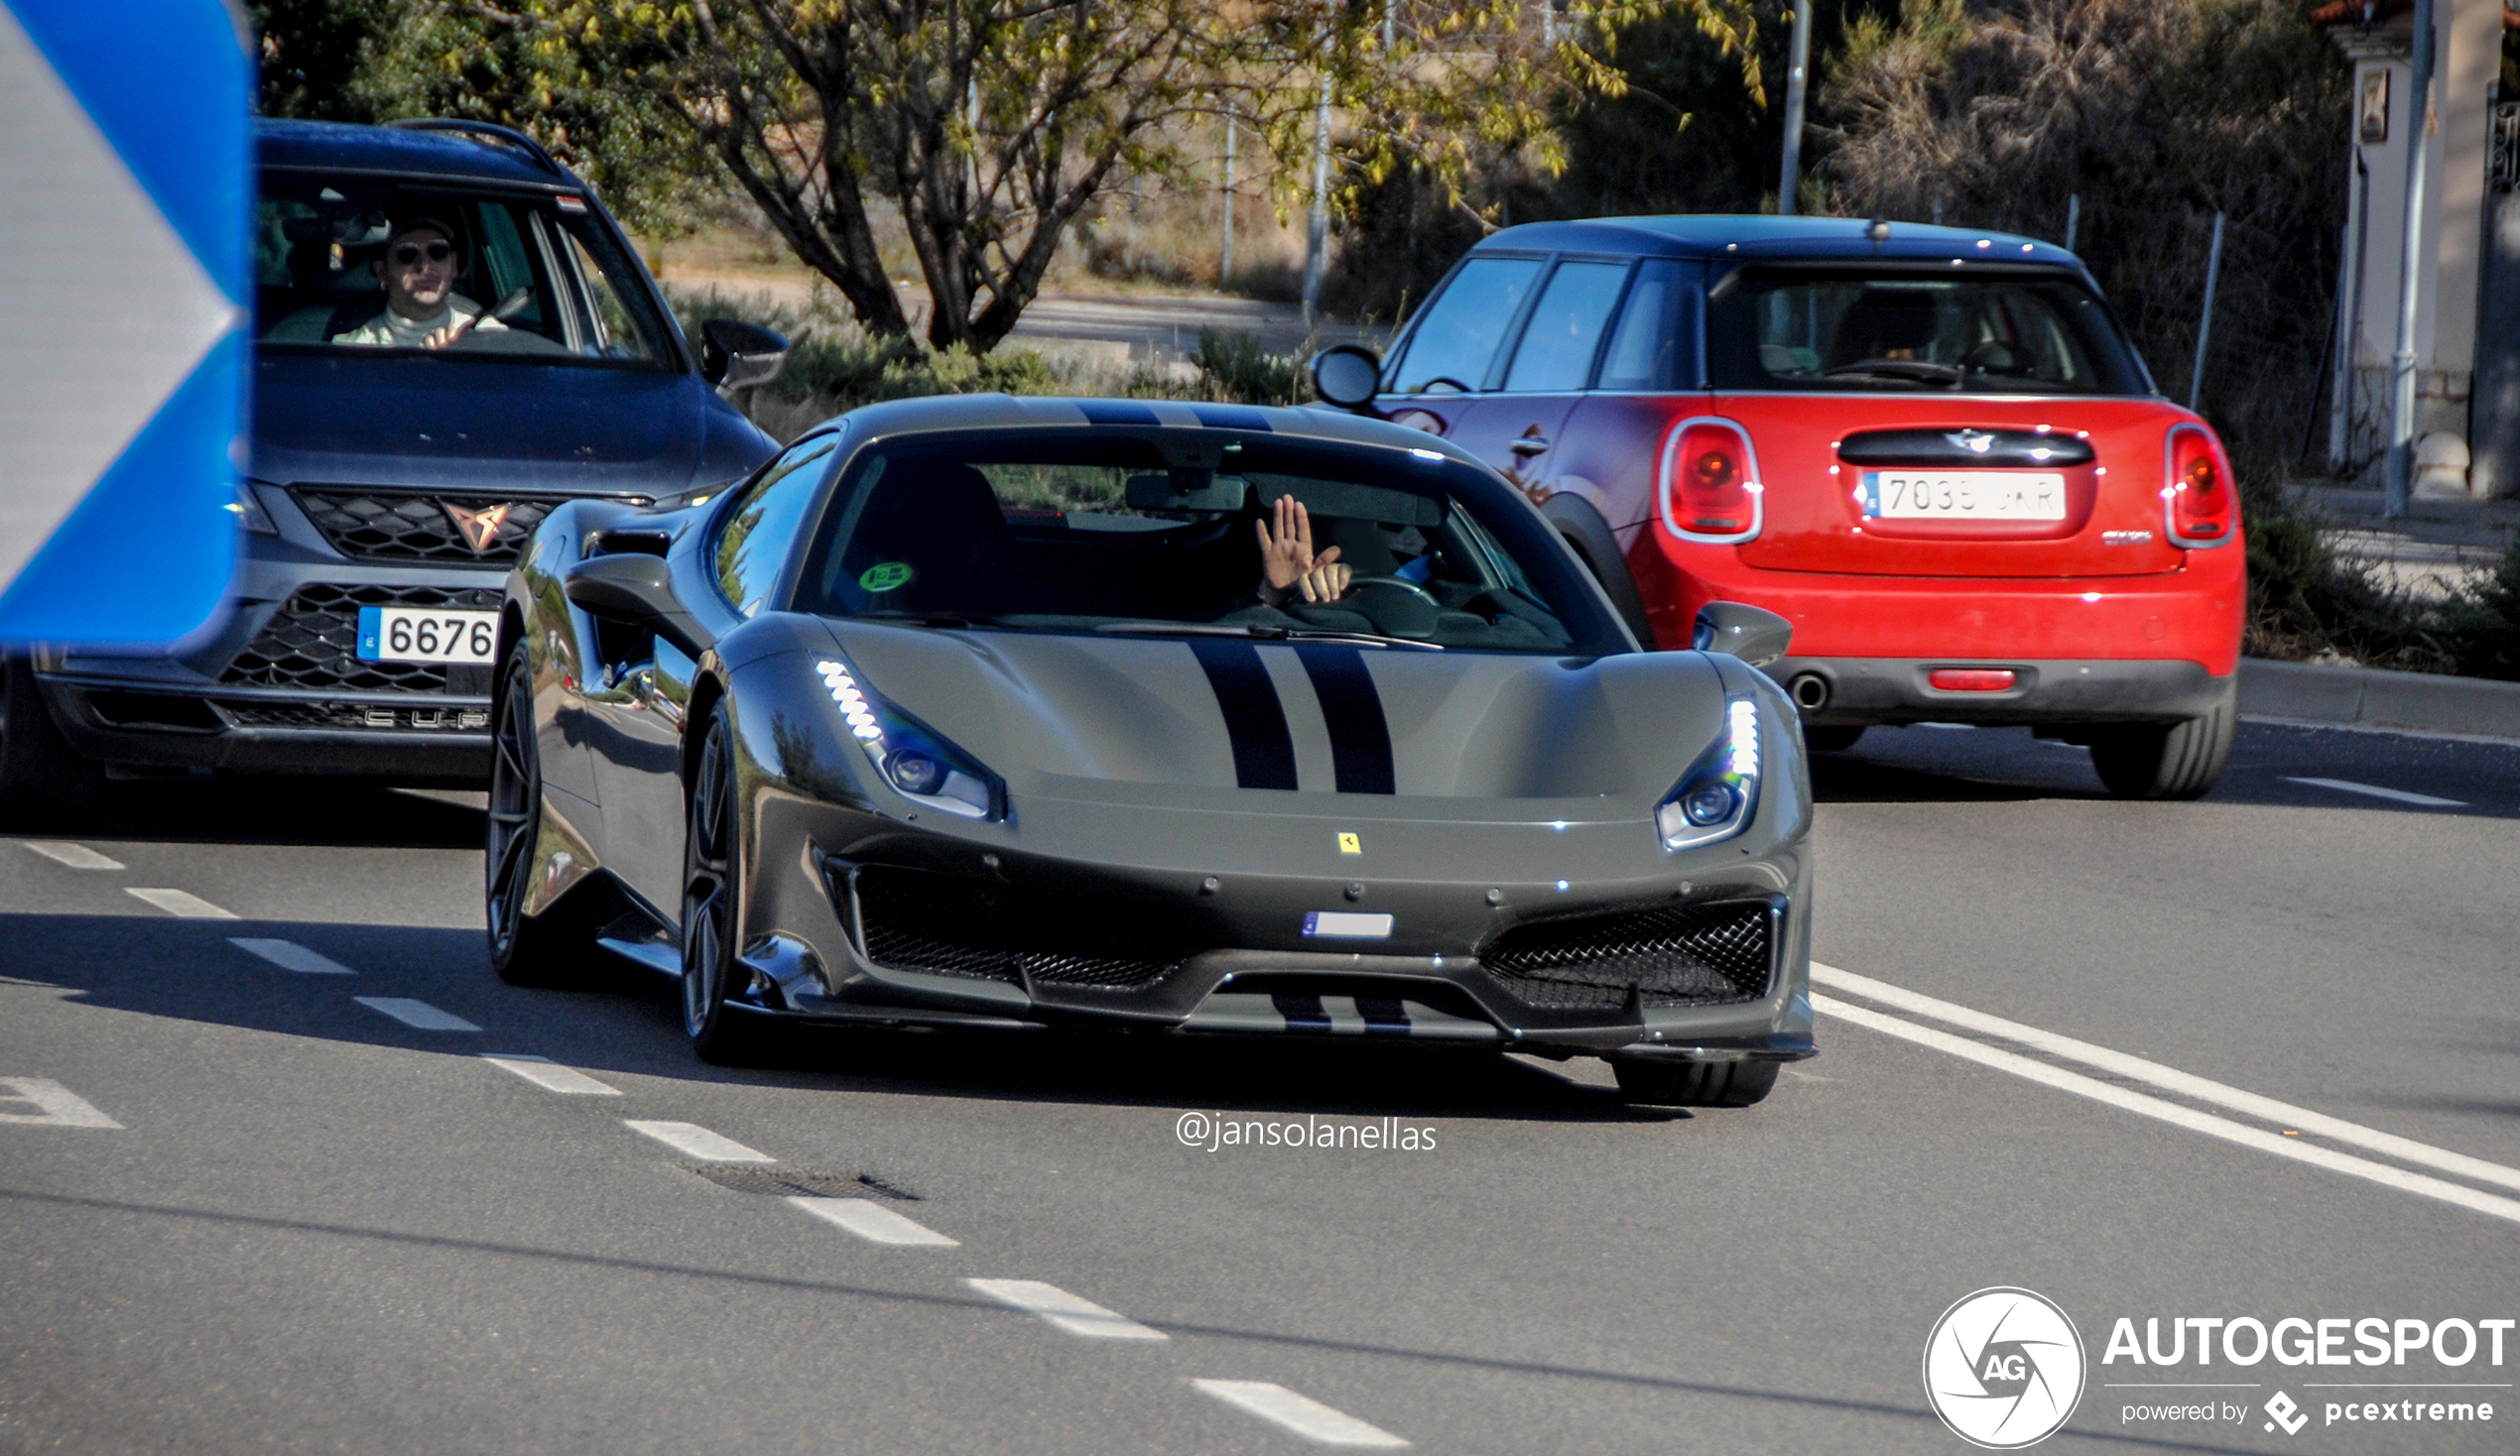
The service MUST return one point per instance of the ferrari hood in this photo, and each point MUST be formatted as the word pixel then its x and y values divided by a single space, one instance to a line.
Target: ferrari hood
pixel 1287 725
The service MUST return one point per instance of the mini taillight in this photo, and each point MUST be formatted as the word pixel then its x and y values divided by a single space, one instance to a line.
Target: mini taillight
pixel 1971 679
pixel 2200 506
pixel 1710 482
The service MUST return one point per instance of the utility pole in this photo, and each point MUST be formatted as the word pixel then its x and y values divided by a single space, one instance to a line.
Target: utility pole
pixel 1797 68
pixel 2204 319
pixel 1225 268
pixel 2418 106
pixel 1317 236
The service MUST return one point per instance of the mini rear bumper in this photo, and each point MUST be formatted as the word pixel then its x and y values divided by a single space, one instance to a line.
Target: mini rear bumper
pixel 1851 691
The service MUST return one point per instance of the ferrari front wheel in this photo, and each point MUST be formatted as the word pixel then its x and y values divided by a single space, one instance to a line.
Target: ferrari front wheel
pixel 525 950
pixel 711 879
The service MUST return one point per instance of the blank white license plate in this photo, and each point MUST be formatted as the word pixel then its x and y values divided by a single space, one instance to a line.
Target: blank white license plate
pixel 427 635
pixel 1964 495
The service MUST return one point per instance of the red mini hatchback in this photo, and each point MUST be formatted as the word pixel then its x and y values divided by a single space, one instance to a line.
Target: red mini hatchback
pixel 1931 449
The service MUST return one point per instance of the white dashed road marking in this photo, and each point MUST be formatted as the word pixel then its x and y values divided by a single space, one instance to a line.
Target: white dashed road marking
pixel 55 1104
pixel 1301 1414
pixel 1076 1316
pixel 76 856
pixel 419 1016
pixel 874 1223
pixel 2171 1080
pixel 182 903
pixel 288 955
pixel 695 1141
pixel 550 1075
pixel 2374 790
pixel 2171 1112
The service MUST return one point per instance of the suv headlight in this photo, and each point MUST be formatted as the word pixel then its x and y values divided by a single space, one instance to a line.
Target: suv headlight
pixel 1715 798
pixel 919 764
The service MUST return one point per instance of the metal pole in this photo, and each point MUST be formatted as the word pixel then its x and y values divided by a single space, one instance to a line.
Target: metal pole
pixel 2072 218
pixel 2204 321
pixel 2350 316
pixel 1317 236
pixel 1225 268
pixel 2401 463
pixel 1797 68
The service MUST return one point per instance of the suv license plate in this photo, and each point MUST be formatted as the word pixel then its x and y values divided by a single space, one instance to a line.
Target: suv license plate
pixel 427 635
pixel 1964 495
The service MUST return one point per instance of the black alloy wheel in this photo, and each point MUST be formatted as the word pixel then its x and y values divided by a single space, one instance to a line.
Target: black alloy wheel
pixel 526 950
pixel 43 782
pixel 711 877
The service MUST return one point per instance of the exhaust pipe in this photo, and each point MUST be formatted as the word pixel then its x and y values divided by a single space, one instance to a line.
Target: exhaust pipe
pixel 1810 693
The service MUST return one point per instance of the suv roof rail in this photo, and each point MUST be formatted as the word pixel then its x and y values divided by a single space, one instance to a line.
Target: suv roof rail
pixel 487 131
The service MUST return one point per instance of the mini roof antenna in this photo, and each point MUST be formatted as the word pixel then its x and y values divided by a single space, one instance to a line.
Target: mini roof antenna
pixel 1879 232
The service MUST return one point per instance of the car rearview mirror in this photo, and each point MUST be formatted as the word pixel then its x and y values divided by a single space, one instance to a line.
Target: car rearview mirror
pixel 1187 490
pixel 738 355
pixel 637 589
pixel 1755 635
pixel 1346 375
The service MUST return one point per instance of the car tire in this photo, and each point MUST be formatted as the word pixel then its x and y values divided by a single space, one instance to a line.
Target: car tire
pixel 712 868
pixel 547 949
pixel 43 782
pixel 1831 737
pixel 1696 1083
pixel 2173 760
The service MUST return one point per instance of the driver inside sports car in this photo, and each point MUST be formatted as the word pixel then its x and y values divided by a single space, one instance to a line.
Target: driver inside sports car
pixel 1288 566
pixel 423 310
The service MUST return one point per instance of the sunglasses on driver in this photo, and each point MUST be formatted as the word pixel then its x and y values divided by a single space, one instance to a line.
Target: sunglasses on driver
pixel 411 253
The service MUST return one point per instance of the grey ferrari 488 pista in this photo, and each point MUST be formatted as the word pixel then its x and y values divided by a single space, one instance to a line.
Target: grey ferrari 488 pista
pixel 1158 718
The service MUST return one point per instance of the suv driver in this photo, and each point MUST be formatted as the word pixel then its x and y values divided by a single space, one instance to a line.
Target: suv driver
pixel 423 310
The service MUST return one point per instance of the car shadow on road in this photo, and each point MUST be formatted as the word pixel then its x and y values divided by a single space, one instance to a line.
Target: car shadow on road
pixel 273 811
pixel 628 1020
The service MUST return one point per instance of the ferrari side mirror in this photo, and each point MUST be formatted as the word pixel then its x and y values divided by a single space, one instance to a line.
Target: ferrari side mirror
pixel 637 589
pixel 1753 633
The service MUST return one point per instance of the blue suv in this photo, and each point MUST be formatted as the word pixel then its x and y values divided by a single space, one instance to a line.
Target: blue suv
pixel 451 339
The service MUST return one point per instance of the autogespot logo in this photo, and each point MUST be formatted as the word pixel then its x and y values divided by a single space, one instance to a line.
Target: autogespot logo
pixel 2004 1369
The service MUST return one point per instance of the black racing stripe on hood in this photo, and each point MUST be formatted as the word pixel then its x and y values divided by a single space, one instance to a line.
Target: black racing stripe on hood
pixel 1361 737
pixel 1264 752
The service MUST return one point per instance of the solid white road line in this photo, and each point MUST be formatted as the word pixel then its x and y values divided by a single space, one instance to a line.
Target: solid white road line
pixel 550 1075
pixel 288 955
pixel 2374 790
pixel 1076 1316
pixel 55 1104
pixel 182 903
pixel 693 1140
pixel 419 1016
pixel 2171 1112
pixel 874 1223
pixel 1301 1414
pixel 76 856
pixel 2171 1080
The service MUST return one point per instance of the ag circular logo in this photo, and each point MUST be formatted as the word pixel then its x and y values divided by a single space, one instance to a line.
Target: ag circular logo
pixel 2004 1369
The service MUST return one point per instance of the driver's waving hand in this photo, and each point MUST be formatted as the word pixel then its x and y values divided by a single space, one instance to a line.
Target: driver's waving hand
pixel 1287 563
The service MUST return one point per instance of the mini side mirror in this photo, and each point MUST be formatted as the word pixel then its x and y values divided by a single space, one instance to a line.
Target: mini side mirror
pixel 1346 375
pixel 637 589
pixel 1753 633
pixel 738 355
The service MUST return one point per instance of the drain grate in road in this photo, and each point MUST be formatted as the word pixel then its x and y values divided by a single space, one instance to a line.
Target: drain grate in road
pixel 799 1183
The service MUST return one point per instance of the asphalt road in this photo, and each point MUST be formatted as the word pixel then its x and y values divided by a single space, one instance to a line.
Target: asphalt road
pixel 316 1228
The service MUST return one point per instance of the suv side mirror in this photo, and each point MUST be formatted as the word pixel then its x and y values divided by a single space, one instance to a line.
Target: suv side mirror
pixel 637 589
pixel 1346 375
pixel 738 355
pixel 1753 633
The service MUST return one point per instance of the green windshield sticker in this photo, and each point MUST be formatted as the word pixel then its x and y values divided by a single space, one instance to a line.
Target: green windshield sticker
pixel 883 575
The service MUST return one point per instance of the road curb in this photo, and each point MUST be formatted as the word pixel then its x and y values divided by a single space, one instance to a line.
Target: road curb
pixel 2377 699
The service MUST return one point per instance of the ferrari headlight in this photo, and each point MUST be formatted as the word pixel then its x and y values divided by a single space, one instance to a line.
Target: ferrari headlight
pixel 919 764
pixel 1715 798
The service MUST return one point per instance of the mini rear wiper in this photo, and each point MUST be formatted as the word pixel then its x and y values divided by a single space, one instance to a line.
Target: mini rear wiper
pixel 1265 631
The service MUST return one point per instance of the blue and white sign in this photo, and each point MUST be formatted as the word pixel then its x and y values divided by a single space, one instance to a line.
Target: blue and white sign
pixel 124 199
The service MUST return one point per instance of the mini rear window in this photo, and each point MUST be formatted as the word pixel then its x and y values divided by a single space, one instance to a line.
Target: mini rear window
pixel 1902 331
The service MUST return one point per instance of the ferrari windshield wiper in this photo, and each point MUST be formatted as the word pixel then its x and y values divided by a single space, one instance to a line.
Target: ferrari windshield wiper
pixel 931 619
pixel 1265 631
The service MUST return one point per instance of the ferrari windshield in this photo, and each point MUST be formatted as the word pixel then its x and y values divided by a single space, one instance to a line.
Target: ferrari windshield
pixel 1116 532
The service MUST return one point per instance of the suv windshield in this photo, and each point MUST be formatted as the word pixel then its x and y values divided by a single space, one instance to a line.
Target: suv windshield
pixel 352 263
pixel 1799 329
pixel 1102 533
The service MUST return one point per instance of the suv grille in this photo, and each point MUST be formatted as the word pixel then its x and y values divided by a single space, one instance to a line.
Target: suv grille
pixel 399 525
pixel 1673 955
pixel 313 643
pixel 917 922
